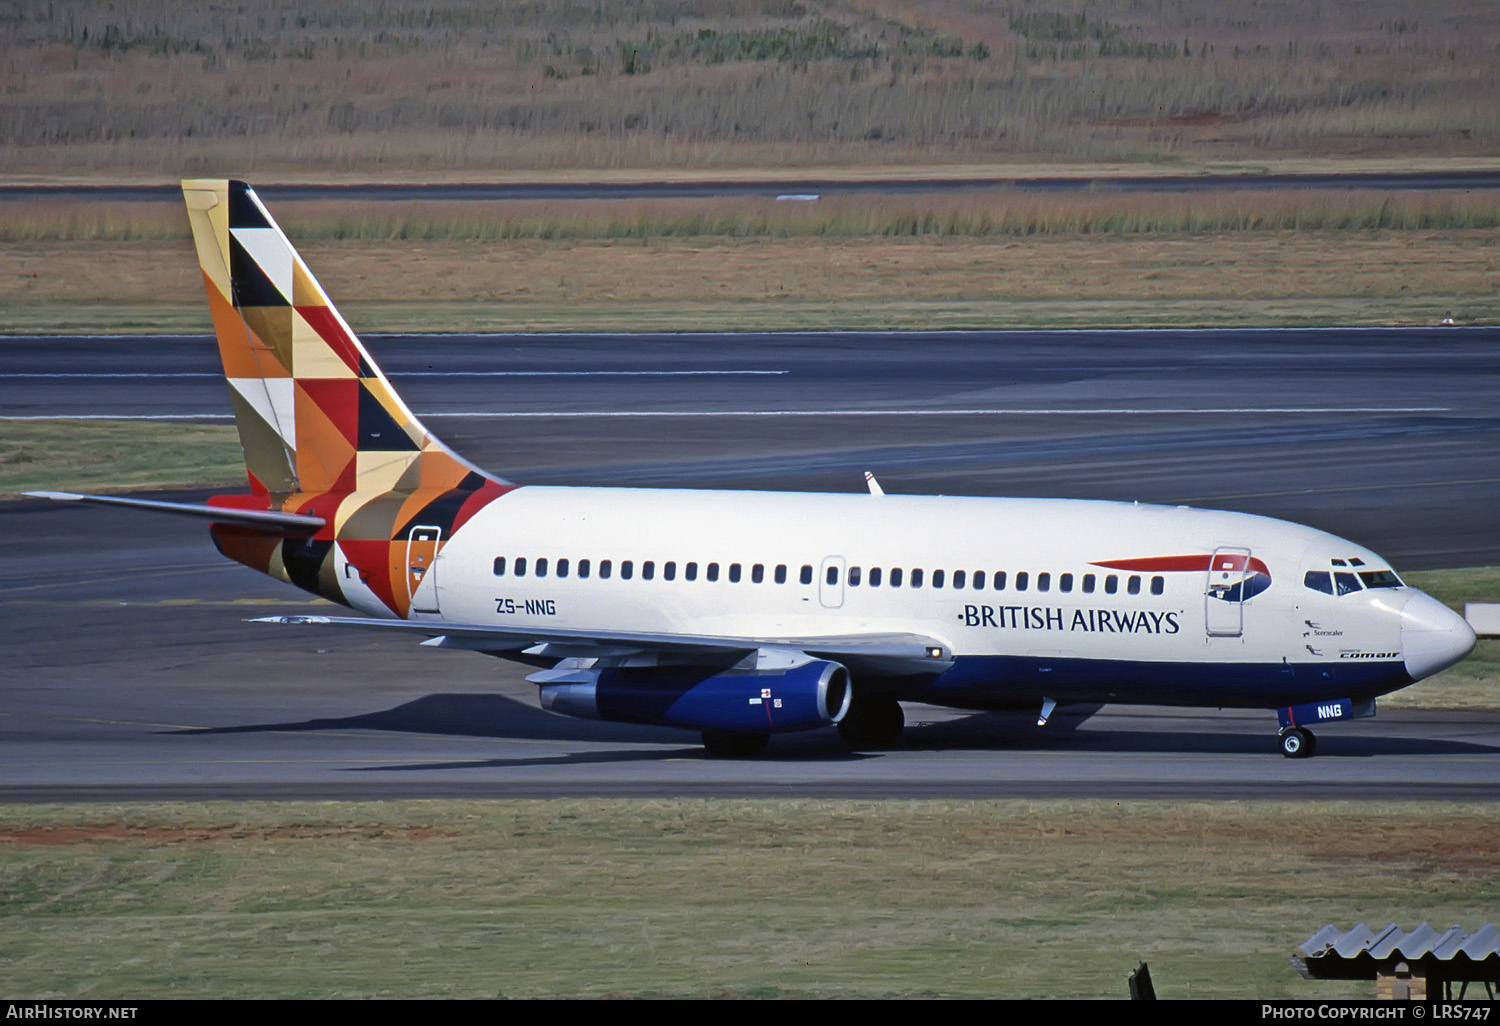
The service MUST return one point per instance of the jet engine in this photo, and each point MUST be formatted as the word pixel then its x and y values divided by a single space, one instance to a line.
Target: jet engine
pixel 812 694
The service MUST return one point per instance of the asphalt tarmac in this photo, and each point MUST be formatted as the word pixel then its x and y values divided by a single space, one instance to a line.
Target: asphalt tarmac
pixel 129 671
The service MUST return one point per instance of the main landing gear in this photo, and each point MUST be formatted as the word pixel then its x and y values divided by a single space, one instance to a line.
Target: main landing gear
pixel 1297 742
pixel 873 721
pixel 734 746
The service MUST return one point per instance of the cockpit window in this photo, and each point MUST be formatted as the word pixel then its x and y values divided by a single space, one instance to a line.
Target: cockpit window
pixel 1319 580
pixel 1347 584
pixel 1379 579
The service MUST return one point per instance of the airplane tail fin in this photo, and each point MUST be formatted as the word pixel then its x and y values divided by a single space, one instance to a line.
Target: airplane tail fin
pixel 314 412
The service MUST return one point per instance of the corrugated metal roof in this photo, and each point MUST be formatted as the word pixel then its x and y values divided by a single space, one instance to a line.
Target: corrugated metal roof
pixel 1393 942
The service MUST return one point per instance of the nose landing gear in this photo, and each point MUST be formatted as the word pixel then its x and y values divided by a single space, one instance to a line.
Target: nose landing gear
pixel 1297 742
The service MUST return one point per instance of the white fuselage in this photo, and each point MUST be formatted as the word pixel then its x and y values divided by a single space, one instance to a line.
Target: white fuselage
pixel 1013 587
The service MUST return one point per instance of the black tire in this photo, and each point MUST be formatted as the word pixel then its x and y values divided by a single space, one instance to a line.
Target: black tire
pixel 1297 743
pixel 872 722
pixel 734 746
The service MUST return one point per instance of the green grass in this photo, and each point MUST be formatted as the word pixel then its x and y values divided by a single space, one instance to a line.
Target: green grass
pixel 104 455
pixel 589 898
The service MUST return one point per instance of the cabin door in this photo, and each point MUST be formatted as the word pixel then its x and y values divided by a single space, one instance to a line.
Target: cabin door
pixel 1224 596
pixel 421 566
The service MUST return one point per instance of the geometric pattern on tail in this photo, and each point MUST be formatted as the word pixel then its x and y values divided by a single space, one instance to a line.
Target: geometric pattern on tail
pixel 322 430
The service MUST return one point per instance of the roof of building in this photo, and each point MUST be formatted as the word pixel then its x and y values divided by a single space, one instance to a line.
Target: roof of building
pixel 1333 951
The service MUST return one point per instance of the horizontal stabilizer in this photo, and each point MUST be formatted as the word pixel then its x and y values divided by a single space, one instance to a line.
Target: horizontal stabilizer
pixel 270 519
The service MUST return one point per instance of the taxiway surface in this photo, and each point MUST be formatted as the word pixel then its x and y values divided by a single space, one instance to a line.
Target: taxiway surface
pixel 129 670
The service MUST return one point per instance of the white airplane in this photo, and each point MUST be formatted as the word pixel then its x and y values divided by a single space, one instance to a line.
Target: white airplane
pixel 745 614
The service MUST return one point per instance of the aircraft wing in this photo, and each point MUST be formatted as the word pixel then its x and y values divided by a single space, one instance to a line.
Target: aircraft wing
pixel 894 654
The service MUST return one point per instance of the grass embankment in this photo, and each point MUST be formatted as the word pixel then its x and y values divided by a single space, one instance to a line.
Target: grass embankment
pixel 101 89
pixel 108 455
pixel 995 260
pixel 583 898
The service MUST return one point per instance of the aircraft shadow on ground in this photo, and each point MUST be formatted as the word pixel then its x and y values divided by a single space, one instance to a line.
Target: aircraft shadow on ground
pixel 1013 732
pixel 501 717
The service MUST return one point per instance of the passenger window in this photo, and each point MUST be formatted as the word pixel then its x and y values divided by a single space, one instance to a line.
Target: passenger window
pixel 806 577
pixel 648 570
pixel 978 580
pixel 713 572
pixel 937 578
pixel 692 571
pixel 1022 580
pixel 562 568
pixel 757 573
pixel 1347 584
pixel 1158 585
pixel 780 573
pixel 895 577
pixel 669 570
pixel 627 569
pixel 605 566
pixel 1065 583
pixel 1088 584
pixel 1111 584
pixel 520 566
pixel 1318 580
pixel 999 580
pixel 1044 582
pixel 541 567
pixel 734 573
pixel 959 578
pixel 499 566
pixel 874 576
pixel 854 576
pixel 916 577
pixel 583 568
pixel 832 577
pixel 1134 584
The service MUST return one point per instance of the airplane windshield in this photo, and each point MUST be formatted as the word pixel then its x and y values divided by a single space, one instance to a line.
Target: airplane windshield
pixel 1380 579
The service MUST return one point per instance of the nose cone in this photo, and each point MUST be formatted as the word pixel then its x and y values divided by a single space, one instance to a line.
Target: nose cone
pixel 1433 637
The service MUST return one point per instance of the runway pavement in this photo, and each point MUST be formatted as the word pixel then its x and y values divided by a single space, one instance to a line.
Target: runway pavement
pixel 129 672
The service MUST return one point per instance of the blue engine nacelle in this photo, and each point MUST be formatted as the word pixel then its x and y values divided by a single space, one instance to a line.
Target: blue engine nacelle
pixel 814 694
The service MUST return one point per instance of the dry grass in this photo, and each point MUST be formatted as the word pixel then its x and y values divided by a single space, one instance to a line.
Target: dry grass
pixel 98 87
pixel 686 898
pixel 1266 277
pixel 997 212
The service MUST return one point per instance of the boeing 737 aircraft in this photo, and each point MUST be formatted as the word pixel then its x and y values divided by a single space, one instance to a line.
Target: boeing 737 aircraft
pixel 745 614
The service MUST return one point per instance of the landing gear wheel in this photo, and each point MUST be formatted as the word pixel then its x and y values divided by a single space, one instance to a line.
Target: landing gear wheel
pixel 1298 743
pixel 872 722
pixel 734 746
